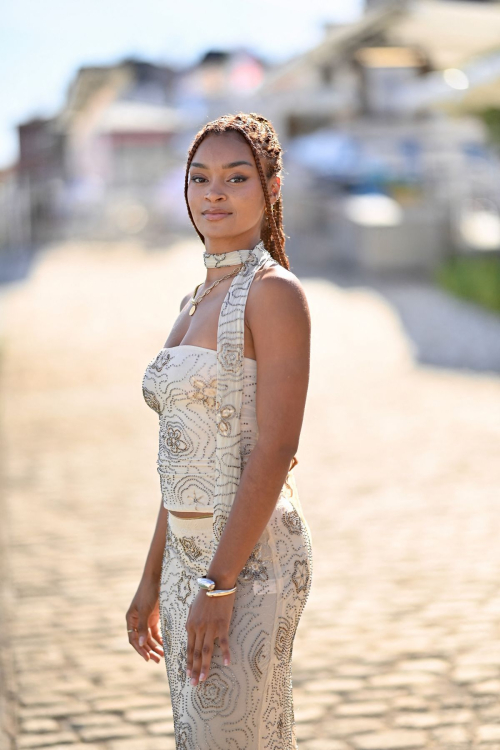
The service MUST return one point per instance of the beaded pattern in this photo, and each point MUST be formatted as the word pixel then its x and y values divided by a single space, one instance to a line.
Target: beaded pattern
pixel 180 385
pixel 248 704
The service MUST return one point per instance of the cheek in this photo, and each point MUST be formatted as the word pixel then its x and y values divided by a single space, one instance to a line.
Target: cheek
pixel 192 195
pixel 249 199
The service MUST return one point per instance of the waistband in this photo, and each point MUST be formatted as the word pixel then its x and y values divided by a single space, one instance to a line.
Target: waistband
pixel 181 526
pixel 189 467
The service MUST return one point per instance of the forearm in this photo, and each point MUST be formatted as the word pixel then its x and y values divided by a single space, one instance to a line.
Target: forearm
pixel 258 491
pixel 152 567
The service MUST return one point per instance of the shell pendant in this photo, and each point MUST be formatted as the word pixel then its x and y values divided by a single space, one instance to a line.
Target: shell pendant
pixel 192 310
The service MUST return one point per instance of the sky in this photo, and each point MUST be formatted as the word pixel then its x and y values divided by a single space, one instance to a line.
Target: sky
pixel 44 43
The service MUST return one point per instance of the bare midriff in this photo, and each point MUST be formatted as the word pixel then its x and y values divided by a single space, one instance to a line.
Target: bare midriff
pixel 190 515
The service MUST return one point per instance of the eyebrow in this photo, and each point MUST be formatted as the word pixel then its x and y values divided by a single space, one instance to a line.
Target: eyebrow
pixel 224 166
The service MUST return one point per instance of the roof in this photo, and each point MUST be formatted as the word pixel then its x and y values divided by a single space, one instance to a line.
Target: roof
pixel 449 32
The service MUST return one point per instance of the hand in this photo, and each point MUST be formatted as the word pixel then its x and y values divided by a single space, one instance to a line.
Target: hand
pixel 208 619
pixel 144 615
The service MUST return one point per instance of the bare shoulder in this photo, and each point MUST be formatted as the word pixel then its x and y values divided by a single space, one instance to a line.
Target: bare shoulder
pixel 277 291
pixel 278 317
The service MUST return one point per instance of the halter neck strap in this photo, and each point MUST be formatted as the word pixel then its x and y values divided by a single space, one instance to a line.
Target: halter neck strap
pixel 230 361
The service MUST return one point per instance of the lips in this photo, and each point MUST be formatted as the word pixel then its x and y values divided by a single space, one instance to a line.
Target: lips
pixel 216 215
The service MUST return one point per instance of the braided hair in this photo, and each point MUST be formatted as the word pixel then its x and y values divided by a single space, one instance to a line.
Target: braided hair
pixel 263 140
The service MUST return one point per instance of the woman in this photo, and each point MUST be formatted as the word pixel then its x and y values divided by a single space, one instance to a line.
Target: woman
pixel 228 574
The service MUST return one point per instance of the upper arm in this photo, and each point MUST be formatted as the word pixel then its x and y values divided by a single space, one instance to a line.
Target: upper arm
pixel 280 322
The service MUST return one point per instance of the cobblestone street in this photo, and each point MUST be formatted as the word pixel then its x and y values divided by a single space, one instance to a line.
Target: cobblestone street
pixel 398 476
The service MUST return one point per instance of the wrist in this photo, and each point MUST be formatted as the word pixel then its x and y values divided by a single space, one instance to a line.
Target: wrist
pixel 151 577
pixel 222 581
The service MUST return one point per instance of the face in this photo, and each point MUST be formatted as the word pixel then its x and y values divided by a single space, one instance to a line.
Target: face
pixel 223 178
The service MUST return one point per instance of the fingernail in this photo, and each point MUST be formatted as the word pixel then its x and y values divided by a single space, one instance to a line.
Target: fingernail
pixel 193 680
pixel 202 676
pixel 226 661
pixel 141 640
pixel 188 672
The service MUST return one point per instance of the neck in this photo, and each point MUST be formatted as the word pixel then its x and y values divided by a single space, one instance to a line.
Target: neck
pixel 220 264
pixel 219 245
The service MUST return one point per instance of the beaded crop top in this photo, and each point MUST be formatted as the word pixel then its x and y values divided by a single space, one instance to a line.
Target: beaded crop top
pixel 180 384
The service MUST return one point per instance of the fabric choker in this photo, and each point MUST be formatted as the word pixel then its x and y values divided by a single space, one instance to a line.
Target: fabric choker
pixel 233 258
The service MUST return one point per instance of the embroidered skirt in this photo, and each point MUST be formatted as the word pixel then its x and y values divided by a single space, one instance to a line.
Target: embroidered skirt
pixel 248 704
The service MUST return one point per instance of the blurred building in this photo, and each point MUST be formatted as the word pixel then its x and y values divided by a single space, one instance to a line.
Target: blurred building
pixel 381 121
pixel 387 159
pixel 112 160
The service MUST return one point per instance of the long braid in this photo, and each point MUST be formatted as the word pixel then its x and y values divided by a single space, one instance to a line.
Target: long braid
pixel 263 140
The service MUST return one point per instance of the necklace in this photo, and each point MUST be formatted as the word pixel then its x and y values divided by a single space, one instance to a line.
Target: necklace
pixel 195 302
pixel 216 260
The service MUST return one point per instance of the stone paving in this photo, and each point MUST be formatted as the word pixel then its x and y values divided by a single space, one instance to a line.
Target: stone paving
pixel 398 476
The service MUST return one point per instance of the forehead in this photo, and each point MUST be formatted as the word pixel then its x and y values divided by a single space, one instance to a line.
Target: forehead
pixel 220 148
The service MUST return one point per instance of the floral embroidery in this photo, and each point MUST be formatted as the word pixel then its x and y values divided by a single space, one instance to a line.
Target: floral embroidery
pixel 173 439
pixel 184 736
pixel 300 575
pixel 166 627
pixel 222 415
pixel 184 587
pixel 193 498
pixel 151 400
pixel 212 693
pixel 190 547
pixel 231 357
pixel 181 663
pixel 255 568
pixel 292 521
pixel 161 360
pixel 204 391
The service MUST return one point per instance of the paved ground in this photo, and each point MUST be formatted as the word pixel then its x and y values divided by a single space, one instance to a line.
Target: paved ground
pixel 398 475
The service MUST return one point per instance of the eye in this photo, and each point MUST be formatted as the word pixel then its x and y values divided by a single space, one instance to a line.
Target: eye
pixel 239 177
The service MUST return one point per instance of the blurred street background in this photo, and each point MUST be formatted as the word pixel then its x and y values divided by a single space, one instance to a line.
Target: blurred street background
pixel 389 116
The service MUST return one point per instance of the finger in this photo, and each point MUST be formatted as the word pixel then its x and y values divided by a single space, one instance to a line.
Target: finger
pixel 156 633
pixel 206 653
pixel 224 645
pixel 142 629
pixel 134 641
pixel 189 649
pixel 155 649
pixel 198 645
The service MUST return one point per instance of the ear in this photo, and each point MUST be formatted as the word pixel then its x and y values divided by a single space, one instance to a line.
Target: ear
pixel 274 188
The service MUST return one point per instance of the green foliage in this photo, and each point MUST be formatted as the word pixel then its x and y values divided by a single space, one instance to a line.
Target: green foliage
pixel 491 118
pixel 476 279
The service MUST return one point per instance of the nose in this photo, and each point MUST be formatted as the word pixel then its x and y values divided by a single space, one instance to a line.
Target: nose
pixel 214 195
